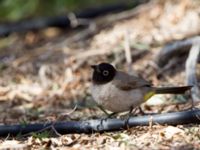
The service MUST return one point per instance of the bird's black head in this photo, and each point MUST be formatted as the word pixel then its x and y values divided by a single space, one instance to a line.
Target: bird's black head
pixel 103 73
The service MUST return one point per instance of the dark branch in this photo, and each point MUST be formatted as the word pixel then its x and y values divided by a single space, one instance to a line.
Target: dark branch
pixel 191 77
pixel 91 126
pixel 174 50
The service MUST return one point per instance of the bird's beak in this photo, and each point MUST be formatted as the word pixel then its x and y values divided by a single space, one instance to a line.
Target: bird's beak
pixel 93 67
pixel 96 68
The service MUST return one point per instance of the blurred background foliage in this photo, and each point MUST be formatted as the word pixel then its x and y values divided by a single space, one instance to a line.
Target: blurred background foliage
pixel 13 10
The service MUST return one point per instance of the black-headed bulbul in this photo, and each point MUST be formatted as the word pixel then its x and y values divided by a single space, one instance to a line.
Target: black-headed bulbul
pixel 118 91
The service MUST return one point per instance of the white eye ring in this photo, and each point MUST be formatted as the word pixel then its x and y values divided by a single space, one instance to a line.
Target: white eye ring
pixel 105 72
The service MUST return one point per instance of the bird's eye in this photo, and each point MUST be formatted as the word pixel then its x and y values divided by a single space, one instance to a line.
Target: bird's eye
pixel 105 72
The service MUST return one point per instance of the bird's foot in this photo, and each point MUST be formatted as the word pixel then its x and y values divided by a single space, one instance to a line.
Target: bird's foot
pixel 109 116
pixel 131 113
pixel 126 123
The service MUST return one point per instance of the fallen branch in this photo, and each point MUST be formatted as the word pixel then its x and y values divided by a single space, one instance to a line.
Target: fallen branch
pixel 174 50
pixel 191 78
pixel 90 126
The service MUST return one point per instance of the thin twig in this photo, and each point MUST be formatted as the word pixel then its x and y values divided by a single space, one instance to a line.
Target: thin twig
pixel 55 131
pixel 73 110
pixel 63 115
pixel 127 50
pixel 150 122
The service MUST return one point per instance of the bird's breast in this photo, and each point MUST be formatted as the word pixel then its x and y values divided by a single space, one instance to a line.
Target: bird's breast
pixel 114 99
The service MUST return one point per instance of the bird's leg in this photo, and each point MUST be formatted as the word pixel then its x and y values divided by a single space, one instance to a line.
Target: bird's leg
pixel 141 111
pixel 102 109
pixel 104 119
pixel 129 115
pixel 109 115
pixel 112 114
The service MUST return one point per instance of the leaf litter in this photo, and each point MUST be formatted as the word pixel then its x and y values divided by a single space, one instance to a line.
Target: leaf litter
pixel 45 78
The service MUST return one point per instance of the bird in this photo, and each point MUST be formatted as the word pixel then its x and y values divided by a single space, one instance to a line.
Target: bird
pixel 118 91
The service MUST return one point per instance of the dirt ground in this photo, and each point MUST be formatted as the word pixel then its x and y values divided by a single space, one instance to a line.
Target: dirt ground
pixel 45 76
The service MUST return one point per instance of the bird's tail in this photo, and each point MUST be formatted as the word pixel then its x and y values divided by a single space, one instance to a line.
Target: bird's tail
pixel 172 90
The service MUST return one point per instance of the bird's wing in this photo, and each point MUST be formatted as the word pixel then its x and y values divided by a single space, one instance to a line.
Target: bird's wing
pixel 127 82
